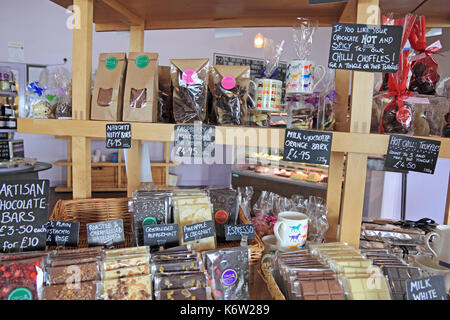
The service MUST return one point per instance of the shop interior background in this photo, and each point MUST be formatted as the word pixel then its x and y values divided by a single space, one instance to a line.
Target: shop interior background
pixel 49 41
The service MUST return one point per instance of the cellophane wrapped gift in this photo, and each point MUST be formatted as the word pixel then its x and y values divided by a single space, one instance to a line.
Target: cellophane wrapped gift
pixel 36 103
pixel 428 115
pixel 264 219
pixel 245 195
pixel 424 68
pixel 317 219
pixel 58 81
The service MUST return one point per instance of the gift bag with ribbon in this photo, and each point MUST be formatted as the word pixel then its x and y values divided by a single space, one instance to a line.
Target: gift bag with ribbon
pixel 397 116
pixel 190 89
pixel 423 66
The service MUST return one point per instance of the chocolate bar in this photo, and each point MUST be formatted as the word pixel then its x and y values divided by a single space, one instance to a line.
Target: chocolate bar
pixel 173 266
pixel 130 288
pixel 321 290
pixel 59 275
pixel 225 209
pixel 228 271
pixel 180 281
pixel 182 294
pixel 134 251
pixel 125 261
pixel 78 291
pixel 127 272
pixel 397 277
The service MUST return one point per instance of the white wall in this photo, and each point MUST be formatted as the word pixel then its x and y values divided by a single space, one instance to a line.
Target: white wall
pixel 41 26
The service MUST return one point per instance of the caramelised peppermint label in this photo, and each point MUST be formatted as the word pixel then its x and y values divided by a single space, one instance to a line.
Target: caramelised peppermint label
pixel 161 235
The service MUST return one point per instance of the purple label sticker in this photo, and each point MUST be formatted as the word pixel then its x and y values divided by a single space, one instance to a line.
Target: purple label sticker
pixel 189 76
pixel 229 277
pixel 228 82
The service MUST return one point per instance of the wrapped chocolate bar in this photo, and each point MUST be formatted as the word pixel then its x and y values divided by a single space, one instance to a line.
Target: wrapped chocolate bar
pixel 22 279
pixel 79 291
pixel 176 266
pixel 126 272
pixel 230 91
pixel 125 261
pixel 129 288
pixel 83 272
pixel 228 273
pixel 424 68
pixel 190 89
pixel 225 209
pixel 180 280
pixel 118 253
pixel 201 293
pixel 397 277
pixel 149 208
pixel 175 256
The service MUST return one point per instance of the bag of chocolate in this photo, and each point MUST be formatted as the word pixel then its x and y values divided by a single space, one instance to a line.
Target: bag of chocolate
pixel 108 87
pixel 228 273
pixel 424 68
pixel 230 91
pixel 165 114
pixel 225 209
pixel 141 87
pixel 190 89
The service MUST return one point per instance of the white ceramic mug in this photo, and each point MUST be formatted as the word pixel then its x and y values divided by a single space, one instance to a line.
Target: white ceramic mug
pixel 301 76
pixel 291 230
pixel 440 247
pixel 268 95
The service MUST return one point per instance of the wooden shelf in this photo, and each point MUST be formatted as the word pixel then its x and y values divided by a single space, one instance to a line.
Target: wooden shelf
pixel 64 188
pixel 115 15
pixel 363 143
pixel 116 164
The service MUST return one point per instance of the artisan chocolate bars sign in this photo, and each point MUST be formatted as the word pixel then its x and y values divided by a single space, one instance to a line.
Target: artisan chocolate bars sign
pixel 195 141
pixel 118 136
pixel 307 146
pixel 24 214
pixel 429 288
pixel 412 154
pixel 198 231
pixel 236 231
pixel 62 233
pixel 161 235
pixel 106 233
pixel 363 47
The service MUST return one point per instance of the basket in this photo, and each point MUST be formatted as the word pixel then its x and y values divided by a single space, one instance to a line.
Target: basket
pixel 95 210
pixel 272 285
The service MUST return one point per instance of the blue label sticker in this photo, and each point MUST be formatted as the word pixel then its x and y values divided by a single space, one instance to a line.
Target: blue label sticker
pixel 229 277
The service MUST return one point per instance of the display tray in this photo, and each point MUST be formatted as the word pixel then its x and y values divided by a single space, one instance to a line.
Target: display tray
pixel 278 179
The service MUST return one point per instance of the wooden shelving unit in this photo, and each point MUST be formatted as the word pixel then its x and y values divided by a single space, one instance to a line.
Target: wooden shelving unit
pixel 113 175
pixel 345 200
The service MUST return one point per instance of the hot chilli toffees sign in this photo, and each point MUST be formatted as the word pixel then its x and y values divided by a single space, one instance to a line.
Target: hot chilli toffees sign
pixel 23 215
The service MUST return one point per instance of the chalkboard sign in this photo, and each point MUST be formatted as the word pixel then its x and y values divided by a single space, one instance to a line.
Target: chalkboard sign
pixel 429 288
pixel 363 47
pixel 24 214
pixel 4 151
pixel 325 1
pixel 62 233
pixel 118 136
pixel 307 146
pixel 106 233
pixel 195 141
pixel 236 231
pixel 161 235
pixel 412 154
pixel 198 231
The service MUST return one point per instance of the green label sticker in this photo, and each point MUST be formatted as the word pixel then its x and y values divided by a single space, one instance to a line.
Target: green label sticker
pixel 142 61
pixel 149 221
pixel 111 63
pixel 20 294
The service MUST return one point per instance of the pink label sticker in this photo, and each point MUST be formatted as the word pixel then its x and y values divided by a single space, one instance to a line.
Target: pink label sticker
pixel 228 82
pixel 189 76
